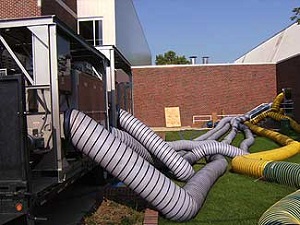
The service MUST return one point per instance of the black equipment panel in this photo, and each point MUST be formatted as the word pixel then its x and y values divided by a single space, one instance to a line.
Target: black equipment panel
pixel 13 155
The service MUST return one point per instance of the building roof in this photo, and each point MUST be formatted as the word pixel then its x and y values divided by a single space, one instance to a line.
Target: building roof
pixel 281 46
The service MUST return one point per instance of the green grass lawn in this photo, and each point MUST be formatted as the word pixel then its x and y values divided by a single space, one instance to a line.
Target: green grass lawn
pixel 236 199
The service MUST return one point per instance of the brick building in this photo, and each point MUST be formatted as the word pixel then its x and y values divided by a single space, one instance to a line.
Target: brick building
pixel 254 78
pixel 200 90
pixel 65 10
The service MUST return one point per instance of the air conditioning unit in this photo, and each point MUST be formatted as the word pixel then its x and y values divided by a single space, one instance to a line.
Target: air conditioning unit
pixel 3 72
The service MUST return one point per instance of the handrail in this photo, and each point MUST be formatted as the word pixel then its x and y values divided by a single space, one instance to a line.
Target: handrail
pixel 206 118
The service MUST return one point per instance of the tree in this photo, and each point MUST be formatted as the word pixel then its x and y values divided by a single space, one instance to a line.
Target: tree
pixel 170 57
pixel 296 16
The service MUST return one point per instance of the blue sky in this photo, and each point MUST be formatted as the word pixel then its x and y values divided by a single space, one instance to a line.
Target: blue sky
pixel 221 29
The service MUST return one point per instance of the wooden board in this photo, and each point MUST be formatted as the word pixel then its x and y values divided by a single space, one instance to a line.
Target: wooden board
pixel 172 116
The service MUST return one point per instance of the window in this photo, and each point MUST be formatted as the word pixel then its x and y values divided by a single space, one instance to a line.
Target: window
pixel 98 32
pixel 91 31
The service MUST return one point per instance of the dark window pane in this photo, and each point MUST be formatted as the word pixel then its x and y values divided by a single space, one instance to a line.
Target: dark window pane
pixel 98 32
pixel 86 31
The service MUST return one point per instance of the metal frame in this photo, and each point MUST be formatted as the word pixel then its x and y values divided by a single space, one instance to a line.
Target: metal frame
pixel 13 55
pixel 117 61
pixel 44 35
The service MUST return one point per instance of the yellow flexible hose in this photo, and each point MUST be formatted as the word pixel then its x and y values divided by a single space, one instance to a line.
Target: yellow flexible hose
pixel 277 101
pixel 275 136
pixel 259 118
pixel 248 166
pixel 254 164
pixel 277 116
pixel 277 154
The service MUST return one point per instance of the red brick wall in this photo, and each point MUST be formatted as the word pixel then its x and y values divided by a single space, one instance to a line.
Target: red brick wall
pixel 203 89
pixel 288 76
pixel 29 8
pixel 51 7
pixel 19 9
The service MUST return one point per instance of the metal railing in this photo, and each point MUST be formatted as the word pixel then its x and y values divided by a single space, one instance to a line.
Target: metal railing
pixel 213 118
pixel 201 118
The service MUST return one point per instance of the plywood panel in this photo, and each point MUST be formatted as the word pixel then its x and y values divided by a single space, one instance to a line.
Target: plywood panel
pixel 172 116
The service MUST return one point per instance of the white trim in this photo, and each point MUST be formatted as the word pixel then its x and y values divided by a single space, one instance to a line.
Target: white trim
pixel 92 18
pixel 26 22
pixel 67 8
pixel 87 18
pixel 288 58
pixel 202 65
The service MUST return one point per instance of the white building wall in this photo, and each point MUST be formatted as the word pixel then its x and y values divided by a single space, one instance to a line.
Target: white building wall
pixel 121 27
pixel 290 45
pixel 281 46
pixel 130 37
pixel 104 9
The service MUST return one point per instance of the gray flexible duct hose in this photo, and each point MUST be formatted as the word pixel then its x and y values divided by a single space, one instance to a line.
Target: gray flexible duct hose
pixel 200 149
pixel 184 147
pixel 229 138
pixel 173 202
pixel 132 143
pixel 181 152
pixel 249 139
pixel 186 144
pixel 257 110
pixel 237 125
pixel 232 134
pixel 191 158
pixel 216 147
pixel 181 169
pixel 219 133
pixel 212 131
pixel 221 128
pixel 199 185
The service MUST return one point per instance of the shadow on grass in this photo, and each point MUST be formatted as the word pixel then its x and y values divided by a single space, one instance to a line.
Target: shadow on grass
pixel 239 221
